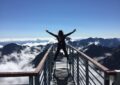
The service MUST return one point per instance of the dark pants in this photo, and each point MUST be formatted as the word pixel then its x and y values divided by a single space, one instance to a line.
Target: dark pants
pixel 59 47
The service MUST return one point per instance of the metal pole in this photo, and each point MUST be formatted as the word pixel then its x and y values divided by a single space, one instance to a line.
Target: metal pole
pixel 106 79
pixel 37 82
pixel 73 57
pixel 49 70
pixel 30 80
pixel 116 80
pixel 45 79
pixel 70 58
pixel 77 70
pixel 87 72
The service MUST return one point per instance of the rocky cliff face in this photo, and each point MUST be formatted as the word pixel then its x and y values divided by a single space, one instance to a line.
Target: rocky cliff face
pixel 113 62
pixel 10 48
pixel 97 50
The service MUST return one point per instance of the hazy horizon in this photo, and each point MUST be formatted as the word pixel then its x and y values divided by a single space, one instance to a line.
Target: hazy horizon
pixel 49 39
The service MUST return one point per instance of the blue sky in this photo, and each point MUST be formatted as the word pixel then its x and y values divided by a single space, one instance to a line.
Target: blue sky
pixel 30 18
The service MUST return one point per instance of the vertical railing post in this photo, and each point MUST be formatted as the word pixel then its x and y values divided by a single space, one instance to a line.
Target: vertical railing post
pixel 30 80
pixel 45 78
pixel 37 81
pixel 116 80
pixel 68 58
pixel 71 59
pixel 87 72
pixel 77 70
pixel 49 70
pixel 73 63
pixel 106 79
pixel 67 49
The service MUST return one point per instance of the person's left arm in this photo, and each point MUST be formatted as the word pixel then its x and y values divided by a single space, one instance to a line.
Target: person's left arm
pixel 70 33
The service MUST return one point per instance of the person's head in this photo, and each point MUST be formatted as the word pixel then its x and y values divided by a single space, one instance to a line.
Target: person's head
pixel 60 33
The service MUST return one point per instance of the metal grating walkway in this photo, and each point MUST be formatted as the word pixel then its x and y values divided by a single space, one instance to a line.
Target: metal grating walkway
pixel 61 74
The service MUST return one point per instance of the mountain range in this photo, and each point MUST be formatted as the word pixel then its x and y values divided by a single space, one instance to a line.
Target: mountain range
pixel 109 49
pixel 16 54
pixel 111 42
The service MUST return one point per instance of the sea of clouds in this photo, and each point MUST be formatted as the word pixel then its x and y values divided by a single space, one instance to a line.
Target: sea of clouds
pixel 1 46
pixel 19 62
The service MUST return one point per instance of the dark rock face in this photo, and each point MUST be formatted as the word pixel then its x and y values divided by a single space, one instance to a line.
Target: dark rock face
pixel 113 62
pixel 0 49
pixel 10 48
pixel 39 57
pixel 97 50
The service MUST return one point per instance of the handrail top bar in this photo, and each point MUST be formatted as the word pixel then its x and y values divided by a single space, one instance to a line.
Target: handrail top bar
pixel 103 68
pixel 29 73
pixel 16 74
pixel 40 65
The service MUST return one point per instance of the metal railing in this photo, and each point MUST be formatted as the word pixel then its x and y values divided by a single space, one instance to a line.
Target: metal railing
pixel 86 71
pixel 41 75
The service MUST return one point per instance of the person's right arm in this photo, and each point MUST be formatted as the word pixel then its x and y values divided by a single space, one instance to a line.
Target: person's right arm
pixel 51 33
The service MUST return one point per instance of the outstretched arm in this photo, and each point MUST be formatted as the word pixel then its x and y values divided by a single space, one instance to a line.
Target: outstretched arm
pixel 51 33
pixel 70 33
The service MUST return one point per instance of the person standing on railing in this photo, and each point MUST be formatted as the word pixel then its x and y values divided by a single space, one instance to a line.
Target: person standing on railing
pixel 61 42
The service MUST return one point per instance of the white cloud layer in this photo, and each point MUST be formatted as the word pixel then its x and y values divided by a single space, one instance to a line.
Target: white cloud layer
pixel 17 62
pixel 25 39
pixel 1 46
pixel 35 44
